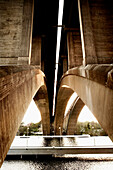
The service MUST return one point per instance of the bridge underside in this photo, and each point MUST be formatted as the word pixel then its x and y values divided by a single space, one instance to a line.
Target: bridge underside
pixel 94 87
pixel 18 86
pixel 28 40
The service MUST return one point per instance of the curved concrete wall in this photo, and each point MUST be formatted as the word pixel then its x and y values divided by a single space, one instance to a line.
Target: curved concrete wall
pixel 41 100
pixel 63 96
pixel 94 86
pixel 73 116
pixel 18 85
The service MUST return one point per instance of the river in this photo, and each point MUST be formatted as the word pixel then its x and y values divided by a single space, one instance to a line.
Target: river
pixel 61 162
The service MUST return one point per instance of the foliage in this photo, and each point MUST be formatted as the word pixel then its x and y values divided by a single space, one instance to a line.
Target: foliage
pixel 30 129
pixel 91 128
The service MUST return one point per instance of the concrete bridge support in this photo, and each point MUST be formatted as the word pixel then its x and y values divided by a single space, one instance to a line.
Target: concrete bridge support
pixel 96 29
pixel 87 39
pixel 41 100
pixel 16 18
pixel 18 86
pixel 63 96
pixel 70 124
pixel 94 85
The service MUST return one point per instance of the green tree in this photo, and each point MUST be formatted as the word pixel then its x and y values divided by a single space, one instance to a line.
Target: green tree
pixel 91 128
pixel 30 129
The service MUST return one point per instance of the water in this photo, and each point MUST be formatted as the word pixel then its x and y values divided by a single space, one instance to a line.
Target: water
pixel 64 162
pixel 61 163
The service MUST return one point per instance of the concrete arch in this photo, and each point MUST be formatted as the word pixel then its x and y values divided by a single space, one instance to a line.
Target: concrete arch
pixel 41 100
pixel 74 112
pixel 63 96
pixel 18 85
pixel 92 86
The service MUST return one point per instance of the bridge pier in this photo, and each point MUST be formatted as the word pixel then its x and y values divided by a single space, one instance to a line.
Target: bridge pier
pixel 92 84
pixel 63 96
pixel 18 86
pixel 28 35
pixel 41 100
pixel 70 126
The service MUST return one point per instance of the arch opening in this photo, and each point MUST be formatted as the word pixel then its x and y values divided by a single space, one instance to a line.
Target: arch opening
pixel 31 124
pixel 88 124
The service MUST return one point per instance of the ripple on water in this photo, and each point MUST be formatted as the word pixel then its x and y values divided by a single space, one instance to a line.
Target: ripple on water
pixel 74 162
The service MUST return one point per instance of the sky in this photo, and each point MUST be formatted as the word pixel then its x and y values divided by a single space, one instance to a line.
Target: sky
pixel 33 115
pixel 85 114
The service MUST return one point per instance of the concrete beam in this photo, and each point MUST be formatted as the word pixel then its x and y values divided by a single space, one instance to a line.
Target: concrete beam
pixel 36 51
pixel 18 85
pixel 87 37
pixel 16 19
pixel 92 84
pixel 96 31
pixel 75 57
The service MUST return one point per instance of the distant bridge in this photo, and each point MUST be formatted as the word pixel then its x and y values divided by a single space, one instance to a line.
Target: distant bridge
pixel 32 68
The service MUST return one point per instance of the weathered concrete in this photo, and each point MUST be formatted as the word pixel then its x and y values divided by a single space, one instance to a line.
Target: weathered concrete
pixel 63 96
pixel 96 31
pixel 41 100
pixel 75 57
pixel 93 83
pixel 92 86
pixel 15 31
pixel 74 112
pixel 18 85
pixel 88 46
pixel 36 51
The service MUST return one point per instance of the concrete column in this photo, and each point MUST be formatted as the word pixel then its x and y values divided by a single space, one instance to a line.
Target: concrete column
pixel 73 116
pixel 74 48
pixel 65 64
pixel 41 100
pixel 15 31
pixel 87 37
pixel 27 26
pixel 36 51
pixel 63 96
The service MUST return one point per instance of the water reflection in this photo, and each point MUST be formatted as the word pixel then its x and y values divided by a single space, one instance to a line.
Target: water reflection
pixel 63 163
